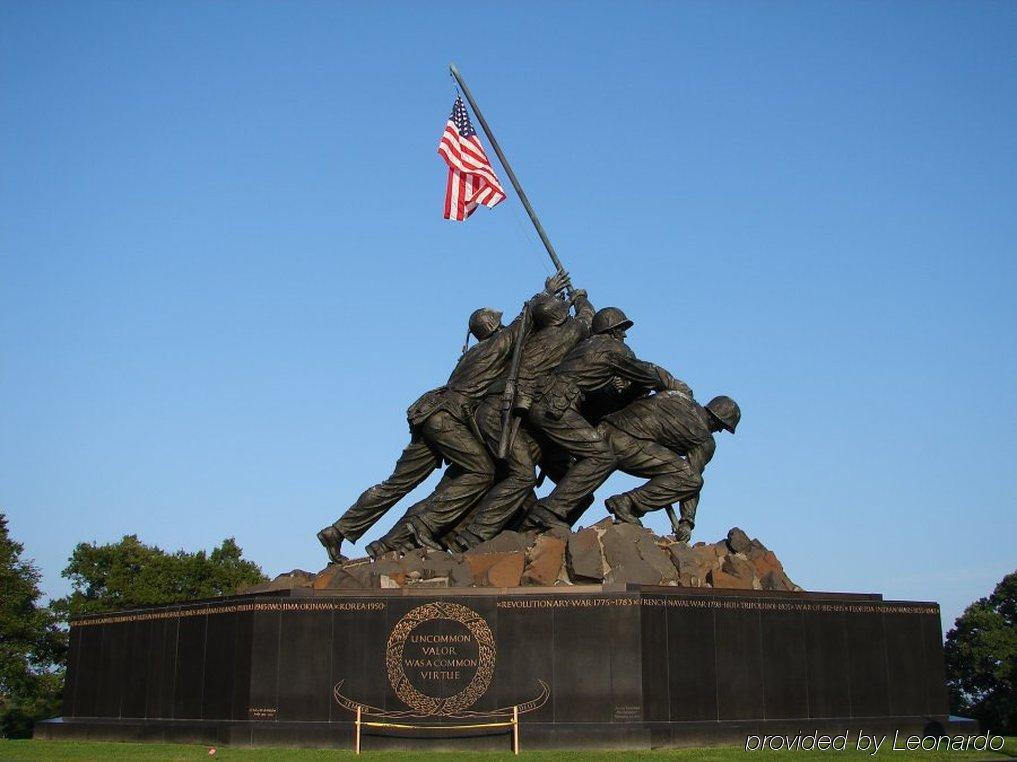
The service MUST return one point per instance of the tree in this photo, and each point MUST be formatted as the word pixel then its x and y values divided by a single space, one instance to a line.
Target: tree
pixel 981 659
pixel 130 573
pixel 32 646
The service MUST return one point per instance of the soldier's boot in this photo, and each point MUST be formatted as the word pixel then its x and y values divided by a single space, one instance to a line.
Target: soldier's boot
pixel 332 539
pixel 622 508
pixel 452 543
pixel 461 541
pixel 423 536
pixel 683 532
pixel 377 548
pixel 544 517
pixel 407 545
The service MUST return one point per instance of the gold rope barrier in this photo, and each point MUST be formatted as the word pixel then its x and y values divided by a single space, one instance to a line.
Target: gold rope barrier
pixel 438 727
pixel 513 723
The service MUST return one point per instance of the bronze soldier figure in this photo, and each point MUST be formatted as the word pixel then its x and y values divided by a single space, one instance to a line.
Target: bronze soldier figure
pixel 599 363
pixel 436 433
pixel 441 431
pixel 555 335
pixel 423 524
pixel 649 438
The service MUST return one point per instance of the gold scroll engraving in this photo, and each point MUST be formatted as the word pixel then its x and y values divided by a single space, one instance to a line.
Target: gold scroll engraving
pixel 351 705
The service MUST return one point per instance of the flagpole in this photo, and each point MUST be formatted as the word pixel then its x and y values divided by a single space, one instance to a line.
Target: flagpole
pixel 508 169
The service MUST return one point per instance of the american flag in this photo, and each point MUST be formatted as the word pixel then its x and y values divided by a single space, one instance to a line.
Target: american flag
pixel 471 179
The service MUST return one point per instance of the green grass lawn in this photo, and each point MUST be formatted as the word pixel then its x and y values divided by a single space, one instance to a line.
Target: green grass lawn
pixel 80 750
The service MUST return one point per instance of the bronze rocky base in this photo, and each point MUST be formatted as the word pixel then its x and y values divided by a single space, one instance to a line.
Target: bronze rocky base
pixel 605 552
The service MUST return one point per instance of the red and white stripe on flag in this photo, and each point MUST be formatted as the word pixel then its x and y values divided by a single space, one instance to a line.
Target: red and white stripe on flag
pixel 471 178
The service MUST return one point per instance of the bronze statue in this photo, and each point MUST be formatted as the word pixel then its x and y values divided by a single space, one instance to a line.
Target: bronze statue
pixel 561 392
pixel 441 430
pixel 553 390
pixel 555 335
pixel 599 363
pixel 668 438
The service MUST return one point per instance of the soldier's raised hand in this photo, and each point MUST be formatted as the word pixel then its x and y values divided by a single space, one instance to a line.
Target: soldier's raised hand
pixel 577 294
pixel 558 282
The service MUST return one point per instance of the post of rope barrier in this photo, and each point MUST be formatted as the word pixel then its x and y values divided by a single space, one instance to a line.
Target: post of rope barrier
pixel 515 730
pixel 356 740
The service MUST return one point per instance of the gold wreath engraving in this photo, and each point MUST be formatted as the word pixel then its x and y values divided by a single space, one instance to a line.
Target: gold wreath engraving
pixel 433 705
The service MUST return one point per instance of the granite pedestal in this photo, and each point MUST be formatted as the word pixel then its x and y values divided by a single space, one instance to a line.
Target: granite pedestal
pixel 600 666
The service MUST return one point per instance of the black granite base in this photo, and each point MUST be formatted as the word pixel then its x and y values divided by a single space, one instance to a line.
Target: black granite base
pixel 604 667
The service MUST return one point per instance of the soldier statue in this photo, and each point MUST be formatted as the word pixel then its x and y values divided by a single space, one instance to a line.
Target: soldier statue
pixel 667 438
pixel 441 431
pixel 555 334
pixel 599 364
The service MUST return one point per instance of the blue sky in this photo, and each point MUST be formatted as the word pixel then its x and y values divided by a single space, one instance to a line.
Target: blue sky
pixel 224 273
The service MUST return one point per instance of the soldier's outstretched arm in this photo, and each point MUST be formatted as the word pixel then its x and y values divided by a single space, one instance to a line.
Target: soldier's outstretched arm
pixel 687 511
pixel 584 310
pixel 697 457
pixel 648 375
pixel 702 454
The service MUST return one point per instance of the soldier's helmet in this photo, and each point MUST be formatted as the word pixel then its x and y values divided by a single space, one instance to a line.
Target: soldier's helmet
pixel 608 318
pixel 726 410
pixel 484 322
pixel 550 310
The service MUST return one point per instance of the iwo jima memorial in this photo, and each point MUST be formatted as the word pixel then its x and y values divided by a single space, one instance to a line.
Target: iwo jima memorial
pixel 481 619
